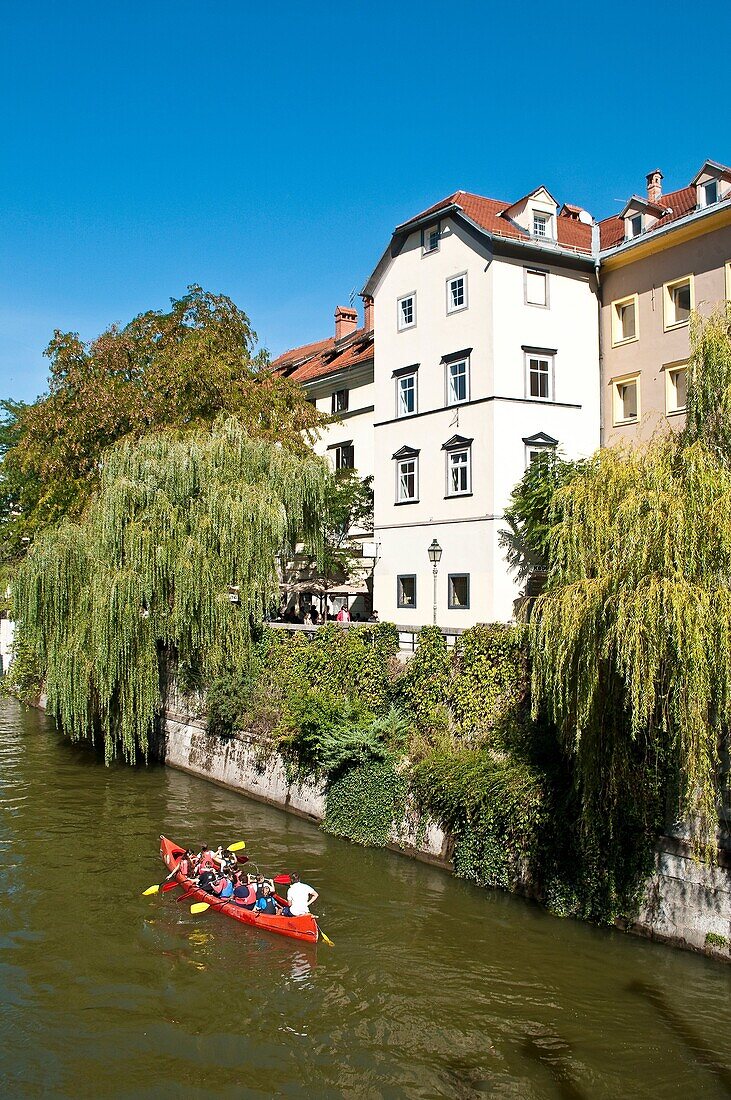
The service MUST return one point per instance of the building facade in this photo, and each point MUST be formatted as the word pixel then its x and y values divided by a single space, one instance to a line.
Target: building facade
pixel 486 353
pixel 493 332
pixel 661 258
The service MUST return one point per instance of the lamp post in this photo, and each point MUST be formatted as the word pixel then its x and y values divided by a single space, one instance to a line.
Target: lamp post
pixel 435 556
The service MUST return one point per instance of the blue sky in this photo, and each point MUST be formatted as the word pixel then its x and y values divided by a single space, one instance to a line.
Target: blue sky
pixel 267 151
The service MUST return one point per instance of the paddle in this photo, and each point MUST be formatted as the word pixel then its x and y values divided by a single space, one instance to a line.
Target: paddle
pixel 242 859
pixel 187 894
pixel 327 939
pixel 236 846
pixel 166 887
pixel 151 890
pixel 200 907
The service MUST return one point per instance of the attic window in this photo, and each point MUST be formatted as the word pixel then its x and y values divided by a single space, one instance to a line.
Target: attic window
pixel 710 192
pixel 540 225
pixel 430 242
pixel 634 226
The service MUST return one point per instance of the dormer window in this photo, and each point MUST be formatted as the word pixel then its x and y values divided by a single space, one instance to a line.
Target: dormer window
pixel 634 226
pixel 430 240
pixel 710 192
pixel 540 224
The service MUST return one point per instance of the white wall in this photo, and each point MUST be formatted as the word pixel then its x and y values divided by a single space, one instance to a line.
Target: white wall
pixel 495 325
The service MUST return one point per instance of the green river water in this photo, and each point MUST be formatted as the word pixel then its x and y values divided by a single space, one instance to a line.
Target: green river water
pixel 434 988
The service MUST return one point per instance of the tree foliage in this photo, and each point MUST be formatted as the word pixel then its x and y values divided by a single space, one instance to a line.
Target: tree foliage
pixel 177 369
pixel 631 642
pixel 177 524
pixel 530 515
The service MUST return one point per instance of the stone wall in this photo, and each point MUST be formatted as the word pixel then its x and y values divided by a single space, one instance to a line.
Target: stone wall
pixel 235 762
pixel 684 902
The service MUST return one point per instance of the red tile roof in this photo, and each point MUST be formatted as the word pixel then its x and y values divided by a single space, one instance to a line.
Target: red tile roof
pixel 681 202
pixel 489 215
pixel 325 357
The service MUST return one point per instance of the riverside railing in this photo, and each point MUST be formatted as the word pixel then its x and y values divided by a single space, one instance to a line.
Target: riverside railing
pixel 408 636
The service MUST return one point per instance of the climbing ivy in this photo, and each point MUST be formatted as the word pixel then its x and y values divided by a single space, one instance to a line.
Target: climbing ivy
pixel 366 803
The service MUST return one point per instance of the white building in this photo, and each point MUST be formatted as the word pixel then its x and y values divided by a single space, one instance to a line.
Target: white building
pixel 486 350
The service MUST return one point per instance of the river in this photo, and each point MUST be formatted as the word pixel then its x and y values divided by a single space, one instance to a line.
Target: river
pixel 434 988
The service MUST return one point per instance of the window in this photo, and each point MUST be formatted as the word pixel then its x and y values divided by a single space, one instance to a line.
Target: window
pixel 536 288
pixel 457 292
pixel 540 225
pixel 626 400
pixel 539 452
pixel 340 401
pixel 407 487
pixel 345 456
pixel 728 281
pixel 625 326
pixel 458 389
pixel 406 590
pixel 459 479
pixel 430 240
pixel 406 312
pixel 634 225
pixel 540 370
pixel 676 388
pixel 406 395
pixel 458 589
pixel 678 302
pixel 710 192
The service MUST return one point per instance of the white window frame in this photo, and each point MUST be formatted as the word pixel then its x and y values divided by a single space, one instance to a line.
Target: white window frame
pixel 403 378
pixel 727 268
pixel 619 340
pixel 671 391
pixel 541 356
pixel 451 454
pixel 400 324
pixel 403 462
pixel 448 365
pixel 425 238
pixel 334 402
pixel 625 380
pixel 631 220
pixel 540 216
pixel 711 183
pixel 535 450
pixel 451 308
pixel 527 272
pixel 668 302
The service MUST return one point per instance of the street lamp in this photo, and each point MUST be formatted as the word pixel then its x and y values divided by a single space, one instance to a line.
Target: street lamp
pixel 435 556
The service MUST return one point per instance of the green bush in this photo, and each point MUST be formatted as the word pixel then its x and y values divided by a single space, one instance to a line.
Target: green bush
pixel 365 802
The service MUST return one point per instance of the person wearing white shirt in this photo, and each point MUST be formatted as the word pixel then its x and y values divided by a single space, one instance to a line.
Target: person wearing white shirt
pixel 300 897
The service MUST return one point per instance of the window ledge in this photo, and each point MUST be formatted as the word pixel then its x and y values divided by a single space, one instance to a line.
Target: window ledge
pixel 621 343
pixel 624 423
pixel 677 324
pixel 406 328
pixel 401 503
pixel 677 412
pixel 457 309
pixel 457 496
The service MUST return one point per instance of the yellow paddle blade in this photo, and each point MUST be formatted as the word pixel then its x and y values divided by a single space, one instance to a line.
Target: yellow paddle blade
pixel 200 907
pixel 327 939
pixel 237 846
pixel 150 890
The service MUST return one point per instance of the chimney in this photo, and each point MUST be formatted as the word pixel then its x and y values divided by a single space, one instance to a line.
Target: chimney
pixel 346 321
pixel 367 313
pixel 654 185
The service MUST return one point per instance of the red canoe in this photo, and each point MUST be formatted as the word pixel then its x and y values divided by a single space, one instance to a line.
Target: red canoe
pixel 297 928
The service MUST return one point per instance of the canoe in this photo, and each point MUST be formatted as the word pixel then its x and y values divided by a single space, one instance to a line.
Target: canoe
pixel 297 928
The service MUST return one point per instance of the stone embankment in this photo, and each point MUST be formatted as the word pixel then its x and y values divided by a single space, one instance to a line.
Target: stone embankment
pixel 687 903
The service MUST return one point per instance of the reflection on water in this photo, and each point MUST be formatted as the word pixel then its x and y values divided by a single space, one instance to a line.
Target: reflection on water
pixel 434 988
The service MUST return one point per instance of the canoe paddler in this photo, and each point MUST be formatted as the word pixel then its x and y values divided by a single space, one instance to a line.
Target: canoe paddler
pixel 184 865
pixel 206 860
pixel 300 897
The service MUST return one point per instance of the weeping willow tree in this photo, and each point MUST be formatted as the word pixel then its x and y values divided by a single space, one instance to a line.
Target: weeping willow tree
pixel 177 526
pixel 632 639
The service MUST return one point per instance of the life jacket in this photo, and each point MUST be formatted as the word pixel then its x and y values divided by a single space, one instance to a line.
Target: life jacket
pixel 207 860
pixel 184 867
pixel 245 895
pixel 266 905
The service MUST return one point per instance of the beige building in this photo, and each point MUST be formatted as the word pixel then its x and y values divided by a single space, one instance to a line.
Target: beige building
pixel 661 258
